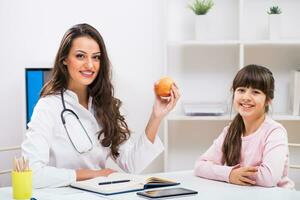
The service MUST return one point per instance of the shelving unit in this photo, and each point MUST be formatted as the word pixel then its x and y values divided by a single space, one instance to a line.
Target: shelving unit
pixel 204 70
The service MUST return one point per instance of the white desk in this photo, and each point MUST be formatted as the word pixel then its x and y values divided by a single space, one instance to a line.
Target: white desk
pixel 207 189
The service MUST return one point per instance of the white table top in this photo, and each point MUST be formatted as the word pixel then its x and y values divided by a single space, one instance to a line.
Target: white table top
pixel 207 189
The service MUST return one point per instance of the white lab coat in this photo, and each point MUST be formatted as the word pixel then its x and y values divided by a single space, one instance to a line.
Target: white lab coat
pixel 54 160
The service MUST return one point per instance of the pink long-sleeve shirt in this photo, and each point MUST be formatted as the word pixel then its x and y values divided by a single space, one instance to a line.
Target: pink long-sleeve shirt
pixel 266 148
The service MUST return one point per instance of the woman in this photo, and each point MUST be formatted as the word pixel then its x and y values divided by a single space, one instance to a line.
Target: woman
pixel 76 125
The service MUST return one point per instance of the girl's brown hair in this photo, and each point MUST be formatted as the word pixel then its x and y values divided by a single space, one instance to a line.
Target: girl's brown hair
pixel 257 77
pixel 114 128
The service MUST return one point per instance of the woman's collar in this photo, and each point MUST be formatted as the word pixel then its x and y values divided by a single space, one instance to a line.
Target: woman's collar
pixel 72 98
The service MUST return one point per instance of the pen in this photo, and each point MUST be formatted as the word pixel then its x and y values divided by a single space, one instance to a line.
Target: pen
pixel 112 182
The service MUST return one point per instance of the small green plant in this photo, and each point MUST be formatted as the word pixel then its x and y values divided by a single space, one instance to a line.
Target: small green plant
pixel 201 7
pixel 274 10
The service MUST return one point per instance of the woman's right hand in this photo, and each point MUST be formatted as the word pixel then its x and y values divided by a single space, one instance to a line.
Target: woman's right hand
pixel 240 176
pixel 84 174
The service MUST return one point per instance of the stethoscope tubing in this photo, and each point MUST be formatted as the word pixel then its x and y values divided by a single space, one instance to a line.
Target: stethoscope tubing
pixel 64 124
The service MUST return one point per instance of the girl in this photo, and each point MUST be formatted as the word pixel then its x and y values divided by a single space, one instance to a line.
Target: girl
pixel 76 125
pixel 253 149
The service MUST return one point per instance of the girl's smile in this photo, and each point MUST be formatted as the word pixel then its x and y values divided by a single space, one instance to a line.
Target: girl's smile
pixel 249 102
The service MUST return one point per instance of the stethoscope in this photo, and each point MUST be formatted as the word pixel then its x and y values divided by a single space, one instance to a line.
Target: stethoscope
pixel 69 111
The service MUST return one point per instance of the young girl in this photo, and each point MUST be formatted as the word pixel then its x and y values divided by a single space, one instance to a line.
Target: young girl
pixel 253 149
pixel 77 125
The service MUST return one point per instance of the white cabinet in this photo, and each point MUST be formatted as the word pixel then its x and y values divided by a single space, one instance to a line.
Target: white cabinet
pixel 204 70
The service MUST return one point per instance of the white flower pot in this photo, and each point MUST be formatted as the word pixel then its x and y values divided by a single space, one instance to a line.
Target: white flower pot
pixel 274 27
pixel 202 27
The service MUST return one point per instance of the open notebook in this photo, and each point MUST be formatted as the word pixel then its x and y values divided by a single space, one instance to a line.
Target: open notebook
pixel 117 183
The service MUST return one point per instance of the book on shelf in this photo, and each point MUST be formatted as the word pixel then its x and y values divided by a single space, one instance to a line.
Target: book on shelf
pixel 295 92
pixel 117 183
pixel 204 108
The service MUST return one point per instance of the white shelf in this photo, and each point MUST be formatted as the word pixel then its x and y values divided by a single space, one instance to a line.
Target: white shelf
pixel 254 19
pixel 271 42
pixel 286 118
pixel 179 117
pixel 204 43
pixel 182 117
pixel 235 43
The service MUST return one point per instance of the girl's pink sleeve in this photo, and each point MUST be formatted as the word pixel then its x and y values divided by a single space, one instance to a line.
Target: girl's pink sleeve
pixel 209 165
pixel 274 159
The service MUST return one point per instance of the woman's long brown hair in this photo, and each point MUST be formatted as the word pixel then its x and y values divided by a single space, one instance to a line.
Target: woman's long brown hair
pixel 256 77
pixel 114 128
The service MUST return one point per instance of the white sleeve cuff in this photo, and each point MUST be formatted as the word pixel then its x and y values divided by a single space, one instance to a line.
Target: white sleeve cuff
pixel 156 148
pixel 53 177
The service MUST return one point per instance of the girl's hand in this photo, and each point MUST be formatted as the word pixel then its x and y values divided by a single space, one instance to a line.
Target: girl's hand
pixel 240 176
pixel 163 105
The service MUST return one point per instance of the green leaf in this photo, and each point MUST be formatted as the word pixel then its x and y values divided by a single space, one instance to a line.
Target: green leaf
pixel 274 10
pixel 201 7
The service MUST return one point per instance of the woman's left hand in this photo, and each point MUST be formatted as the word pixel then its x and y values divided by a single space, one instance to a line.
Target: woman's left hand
pixel 163 105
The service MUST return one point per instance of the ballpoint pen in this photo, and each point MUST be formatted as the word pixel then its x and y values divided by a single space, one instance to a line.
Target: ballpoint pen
pixel 112 182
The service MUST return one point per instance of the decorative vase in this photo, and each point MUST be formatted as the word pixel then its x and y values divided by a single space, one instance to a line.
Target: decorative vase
pixel 202 27
pixel 274 27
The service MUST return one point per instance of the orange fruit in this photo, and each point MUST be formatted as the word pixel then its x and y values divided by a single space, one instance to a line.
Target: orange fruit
pixel 163 87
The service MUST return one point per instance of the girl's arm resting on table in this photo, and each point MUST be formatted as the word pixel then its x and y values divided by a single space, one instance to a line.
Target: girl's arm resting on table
pixel 210 165
pixel 275 155
pixel 208 169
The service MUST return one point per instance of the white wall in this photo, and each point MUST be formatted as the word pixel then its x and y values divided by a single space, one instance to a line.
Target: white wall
pixel 30 34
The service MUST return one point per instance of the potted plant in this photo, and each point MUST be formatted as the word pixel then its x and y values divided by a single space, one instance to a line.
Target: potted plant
pixel 274 22
pixel 201 8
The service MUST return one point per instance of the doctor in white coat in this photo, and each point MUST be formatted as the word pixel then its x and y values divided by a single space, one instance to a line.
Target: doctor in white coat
pixel 76 125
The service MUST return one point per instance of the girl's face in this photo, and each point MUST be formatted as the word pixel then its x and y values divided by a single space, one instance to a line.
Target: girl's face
pixel 249 103
pixel 83 62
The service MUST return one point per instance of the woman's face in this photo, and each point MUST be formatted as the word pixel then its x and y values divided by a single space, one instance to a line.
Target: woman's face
pixel 83 62
pixel 249 102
